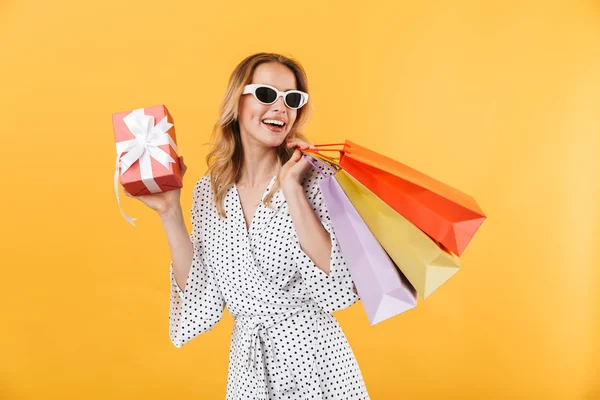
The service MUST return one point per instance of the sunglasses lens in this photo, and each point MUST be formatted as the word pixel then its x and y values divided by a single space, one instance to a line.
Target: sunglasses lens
pixel 293 100
pixel 266 95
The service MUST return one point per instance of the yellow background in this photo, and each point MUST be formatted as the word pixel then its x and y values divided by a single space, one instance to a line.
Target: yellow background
pixel 500 99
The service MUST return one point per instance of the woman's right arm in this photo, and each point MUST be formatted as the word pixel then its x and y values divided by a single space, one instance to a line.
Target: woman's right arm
pixel 197 303
pixel 168 206
pixel 180 243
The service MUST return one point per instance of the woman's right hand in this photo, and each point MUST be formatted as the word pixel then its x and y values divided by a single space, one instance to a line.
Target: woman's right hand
pixel 163 201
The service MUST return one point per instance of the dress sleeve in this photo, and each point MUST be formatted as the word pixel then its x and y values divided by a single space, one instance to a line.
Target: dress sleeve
pixel 198 307
pixel 334 291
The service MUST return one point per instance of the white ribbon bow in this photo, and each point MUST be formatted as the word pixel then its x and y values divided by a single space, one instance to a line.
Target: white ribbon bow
pixel 145 145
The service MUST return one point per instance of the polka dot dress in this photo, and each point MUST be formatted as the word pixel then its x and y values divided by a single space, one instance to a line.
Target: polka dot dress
pixel 285 343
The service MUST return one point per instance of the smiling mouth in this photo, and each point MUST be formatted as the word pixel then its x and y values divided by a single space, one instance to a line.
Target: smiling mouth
pixel 274 123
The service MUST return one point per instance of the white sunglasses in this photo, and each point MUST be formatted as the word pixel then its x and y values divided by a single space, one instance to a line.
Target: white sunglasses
pixel 267 94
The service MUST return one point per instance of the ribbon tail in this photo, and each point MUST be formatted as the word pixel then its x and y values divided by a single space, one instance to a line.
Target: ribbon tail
pixel 173 145
pixel 146 173
pixel 128 218
pixel 161 156
pixel 163 125
pixel 133 155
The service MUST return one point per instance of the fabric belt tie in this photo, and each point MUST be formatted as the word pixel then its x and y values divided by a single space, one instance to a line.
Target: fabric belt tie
pixel 261 343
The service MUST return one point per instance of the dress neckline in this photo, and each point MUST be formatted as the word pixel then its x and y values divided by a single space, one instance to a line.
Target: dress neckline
pixel 247 229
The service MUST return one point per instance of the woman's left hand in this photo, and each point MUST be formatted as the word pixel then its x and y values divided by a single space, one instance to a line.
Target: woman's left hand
pixel 294 169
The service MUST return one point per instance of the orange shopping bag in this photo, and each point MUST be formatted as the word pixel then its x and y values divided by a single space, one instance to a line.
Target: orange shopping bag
pixel 447 215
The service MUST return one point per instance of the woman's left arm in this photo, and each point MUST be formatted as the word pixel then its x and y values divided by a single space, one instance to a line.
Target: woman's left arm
pixel 317 252
pixel 314 239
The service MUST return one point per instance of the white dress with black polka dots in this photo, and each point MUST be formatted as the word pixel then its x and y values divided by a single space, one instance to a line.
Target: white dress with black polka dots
pixel 285 343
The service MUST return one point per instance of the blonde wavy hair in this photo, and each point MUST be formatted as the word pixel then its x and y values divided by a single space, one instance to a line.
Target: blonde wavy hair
pixel 226 156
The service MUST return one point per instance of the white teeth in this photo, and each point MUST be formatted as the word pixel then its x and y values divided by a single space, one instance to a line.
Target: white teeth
pixel 273 121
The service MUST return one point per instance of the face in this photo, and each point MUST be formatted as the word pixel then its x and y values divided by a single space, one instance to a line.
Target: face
pixel 253 114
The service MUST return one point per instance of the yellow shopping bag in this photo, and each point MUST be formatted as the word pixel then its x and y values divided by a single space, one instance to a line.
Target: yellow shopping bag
pixel 424 262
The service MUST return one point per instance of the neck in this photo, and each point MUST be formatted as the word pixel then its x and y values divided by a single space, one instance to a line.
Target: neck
pixel 259 166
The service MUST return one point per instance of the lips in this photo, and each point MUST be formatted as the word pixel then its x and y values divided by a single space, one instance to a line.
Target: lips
pixel 274 124
pixel 274 128
pixel 274 121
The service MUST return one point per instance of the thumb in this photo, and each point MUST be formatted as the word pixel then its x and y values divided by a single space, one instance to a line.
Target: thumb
pixel 297 155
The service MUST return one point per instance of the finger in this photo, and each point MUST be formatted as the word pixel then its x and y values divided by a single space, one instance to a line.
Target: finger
pixel 309 148
pixel 300 145
pixel 305 145
pixel 305 164
pixel 182 166
pixel 297 142
pixel 297 155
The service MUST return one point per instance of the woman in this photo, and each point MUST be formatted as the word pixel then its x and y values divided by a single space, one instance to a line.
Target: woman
pixel 262 244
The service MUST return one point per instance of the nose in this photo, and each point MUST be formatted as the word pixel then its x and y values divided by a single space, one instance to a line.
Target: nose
pixel 279 105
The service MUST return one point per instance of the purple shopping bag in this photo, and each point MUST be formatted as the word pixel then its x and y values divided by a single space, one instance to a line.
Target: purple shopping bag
pixel 381 286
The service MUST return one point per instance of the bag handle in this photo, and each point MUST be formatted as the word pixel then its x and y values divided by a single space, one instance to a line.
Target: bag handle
pixel 328 144
pixel 323 157
pixel 341 151
pixel 308 157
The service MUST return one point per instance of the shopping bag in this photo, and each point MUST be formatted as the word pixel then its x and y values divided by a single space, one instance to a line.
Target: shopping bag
pixel 424 262
pixel 447 215
pixel 381 286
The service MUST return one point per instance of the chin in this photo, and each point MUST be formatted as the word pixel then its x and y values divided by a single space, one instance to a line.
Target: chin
pixel 275 142
pixel 272 139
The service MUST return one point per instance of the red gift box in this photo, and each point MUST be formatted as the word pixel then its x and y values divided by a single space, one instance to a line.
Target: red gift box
pixel 147 156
